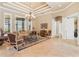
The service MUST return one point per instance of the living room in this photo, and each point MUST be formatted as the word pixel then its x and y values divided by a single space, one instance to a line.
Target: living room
pixel 32 28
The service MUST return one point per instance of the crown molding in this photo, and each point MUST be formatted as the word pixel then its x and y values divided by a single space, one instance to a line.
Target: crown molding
pixel 24 6
pixel 52 12
pixel 5 10
pixel 15 7
pixel 42 10
pixel 42 6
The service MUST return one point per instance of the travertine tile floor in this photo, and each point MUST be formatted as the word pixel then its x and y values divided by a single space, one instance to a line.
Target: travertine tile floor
pixel 48 48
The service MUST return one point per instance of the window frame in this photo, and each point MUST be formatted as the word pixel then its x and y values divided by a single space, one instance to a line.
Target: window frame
pixel 10 21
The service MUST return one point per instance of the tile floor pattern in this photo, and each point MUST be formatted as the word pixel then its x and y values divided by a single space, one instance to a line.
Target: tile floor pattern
pixel 49 48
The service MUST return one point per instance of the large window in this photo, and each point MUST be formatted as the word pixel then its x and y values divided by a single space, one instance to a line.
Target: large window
pixel 7 23
pixel 20 24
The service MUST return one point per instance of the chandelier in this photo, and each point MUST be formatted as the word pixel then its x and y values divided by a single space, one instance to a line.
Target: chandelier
pixel 30 16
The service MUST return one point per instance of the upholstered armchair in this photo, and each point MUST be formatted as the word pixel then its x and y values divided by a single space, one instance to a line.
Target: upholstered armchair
pixel 43 33
pixel 13 39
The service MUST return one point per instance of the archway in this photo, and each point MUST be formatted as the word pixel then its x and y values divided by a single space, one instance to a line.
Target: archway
pixel 58 20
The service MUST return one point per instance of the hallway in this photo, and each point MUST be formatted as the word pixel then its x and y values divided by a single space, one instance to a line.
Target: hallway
pixel 51 47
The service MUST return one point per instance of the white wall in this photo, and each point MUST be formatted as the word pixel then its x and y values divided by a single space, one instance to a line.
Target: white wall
pixel 64 30
pixel 53 27
pixel 43 19
pixel 69 25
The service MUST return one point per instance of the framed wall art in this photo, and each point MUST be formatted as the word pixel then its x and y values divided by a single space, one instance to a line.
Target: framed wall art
pixel 44 25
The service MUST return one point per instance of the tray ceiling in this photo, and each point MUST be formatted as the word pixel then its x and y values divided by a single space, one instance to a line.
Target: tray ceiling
pixel 33 5
pixel 38 7
pixel 43 7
